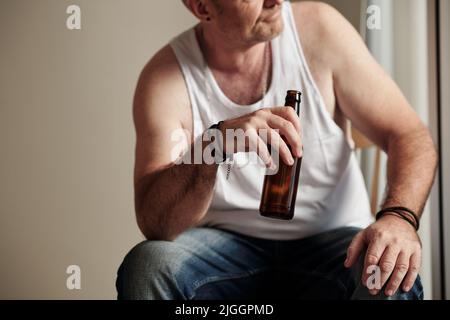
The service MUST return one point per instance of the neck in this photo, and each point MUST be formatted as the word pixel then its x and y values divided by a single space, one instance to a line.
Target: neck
pixel 229 57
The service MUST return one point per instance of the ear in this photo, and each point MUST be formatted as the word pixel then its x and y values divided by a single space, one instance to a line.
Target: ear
pixel 201 9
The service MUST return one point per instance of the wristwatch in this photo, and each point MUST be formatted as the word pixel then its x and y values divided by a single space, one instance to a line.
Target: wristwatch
pixel 220 157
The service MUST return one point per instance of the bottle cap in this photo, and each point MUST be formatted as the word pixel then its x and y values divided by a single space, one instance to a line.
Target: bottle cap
pixel 294 94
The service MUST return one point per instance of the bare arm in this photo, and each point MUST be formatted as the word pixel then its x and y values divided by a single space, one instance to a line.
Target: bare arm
pixel 173 199
pixel 169 198
pixel 376 106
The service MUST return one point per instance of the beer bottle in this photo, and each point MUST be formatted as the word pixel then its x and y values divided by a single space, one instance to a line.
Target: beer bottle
pixel 280 190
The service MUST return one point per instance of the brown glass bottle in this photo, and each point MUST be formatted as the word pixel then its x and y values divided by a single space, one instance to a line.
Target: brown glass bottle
pixel 280 190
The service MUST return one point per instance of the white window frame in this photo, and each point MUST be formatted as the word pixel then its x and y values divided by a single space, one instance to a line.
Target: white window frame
pixel 444 39
pixel 439 94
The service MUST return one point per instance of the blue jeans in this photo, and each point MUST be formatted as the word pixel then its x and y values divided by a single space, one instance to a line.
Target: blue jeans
pixel 206 263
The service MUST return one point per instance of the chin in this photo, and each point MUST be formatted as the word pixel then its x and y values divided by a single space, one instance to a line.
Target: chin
pixel 268 31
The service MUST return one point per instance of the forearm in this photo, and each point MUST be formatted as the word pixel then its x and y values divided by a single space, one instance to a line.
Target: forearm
pixel 411 168
pixel 174 199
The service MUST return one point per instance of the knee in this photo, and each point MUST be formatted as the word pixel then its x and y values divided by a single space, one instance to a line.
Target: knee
pixel 362 292
pixel 150 256
pixel 416 293
pixel 145 269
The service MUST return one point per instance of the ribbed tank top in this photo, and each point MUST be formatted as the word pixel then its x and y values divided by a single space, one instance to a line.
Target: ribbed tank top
pixel 331 191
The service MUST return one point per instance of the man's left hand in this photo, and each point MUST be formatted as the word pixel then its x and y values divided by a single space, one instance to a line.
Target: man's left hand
pixel 394 246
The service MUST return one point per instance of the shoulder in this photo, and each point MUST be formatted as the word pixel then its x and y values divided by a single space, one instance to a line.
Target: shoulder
pixel 161 71
pixel 319 15
pixel 325 33
pixel 161 88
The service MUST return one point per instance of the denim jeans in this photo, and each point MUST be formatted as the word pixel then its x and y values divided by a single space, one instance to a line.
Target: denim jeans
pixel 206 263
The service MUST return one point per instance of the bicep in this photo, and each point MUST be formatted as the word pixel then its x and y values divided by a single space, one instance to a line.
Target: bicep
pixel 160 111
pixel 155 144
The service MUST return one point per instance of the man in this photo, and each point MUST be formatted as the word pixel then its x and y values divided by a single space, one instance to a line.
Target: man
pixel 205 237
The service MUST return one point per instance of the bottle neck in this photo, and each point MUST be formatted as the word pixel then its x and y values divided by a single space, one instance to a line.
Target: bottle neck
pixel 295 104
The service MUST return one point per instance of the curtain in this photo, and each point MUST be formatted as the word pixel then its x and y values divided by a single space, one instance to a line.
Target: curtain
pixel 399 43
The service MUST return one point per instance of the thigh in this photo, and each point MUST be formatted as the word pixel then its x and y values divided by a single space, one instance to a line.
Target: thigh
pixel 224 265
pixel 313 268
pixel 202 263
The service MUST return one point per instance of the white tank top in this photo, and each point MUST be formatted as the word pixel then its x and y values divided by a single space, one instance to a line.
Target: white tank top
pixel 331 191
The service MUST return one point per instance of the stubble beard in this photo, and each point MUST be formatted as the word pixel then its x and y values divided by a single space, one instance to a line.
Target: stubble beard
pixel 264 32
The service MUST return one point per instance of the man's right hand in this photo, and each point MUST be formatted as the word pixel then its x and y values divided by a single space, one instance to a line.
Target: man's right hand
pixel 272 126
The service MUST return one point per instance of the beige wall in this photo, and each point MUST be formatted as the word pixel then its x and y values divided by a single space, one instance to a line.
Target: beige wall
pixel 67 139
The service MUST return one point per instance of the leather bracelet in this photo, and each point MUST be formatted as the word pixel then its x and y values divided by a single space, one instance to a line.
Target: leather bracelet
pixel 400 211
pixel 411 213
pixel 398 215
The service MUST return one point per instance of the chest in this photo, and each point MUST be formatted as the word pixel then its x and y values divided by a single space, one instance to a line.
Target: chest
pixel 247 88
pixel 243 88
